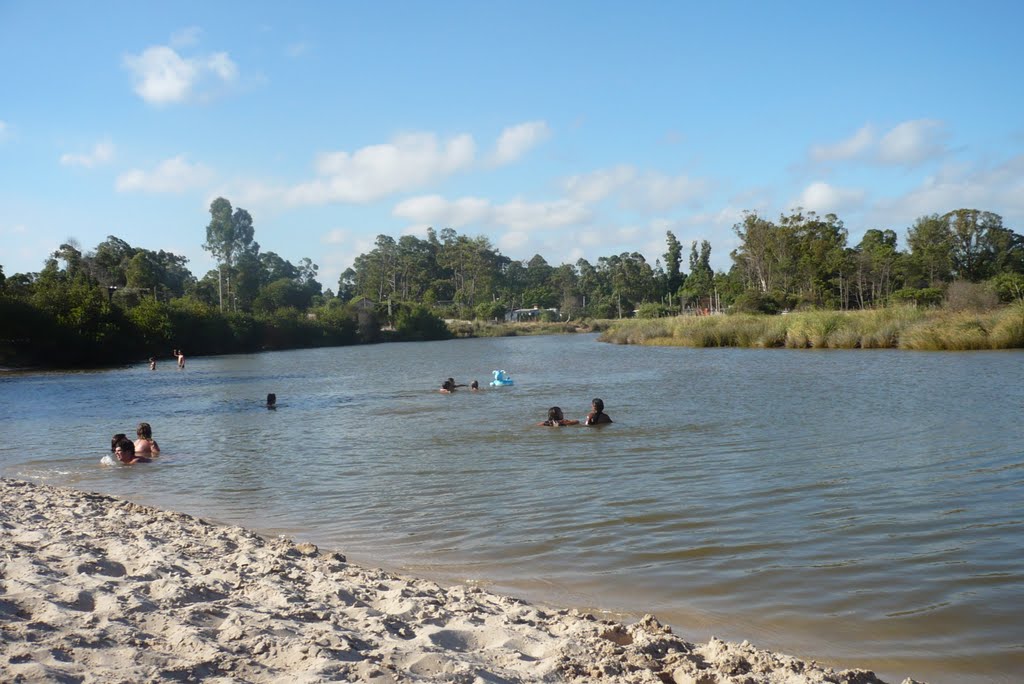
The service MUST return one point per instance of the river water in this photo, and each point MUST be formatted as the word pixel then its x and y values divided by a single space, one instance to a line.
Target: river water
pixel 862 508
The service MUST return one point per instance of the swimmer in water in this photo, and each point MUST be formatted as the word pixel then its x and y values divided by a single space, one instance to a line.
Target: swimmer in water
pixel 597 416
pixel 124 451
pixel 448 386
pixel 557 419
pixel 145 444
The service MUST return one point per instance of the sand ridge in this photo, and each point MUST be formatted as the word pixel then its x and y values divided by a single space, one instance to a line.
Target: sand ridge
pixel 97 589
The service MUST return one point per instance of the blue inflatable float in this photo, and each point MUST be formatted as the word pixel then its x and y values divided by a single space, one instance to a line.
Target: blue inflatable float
pixel 501 378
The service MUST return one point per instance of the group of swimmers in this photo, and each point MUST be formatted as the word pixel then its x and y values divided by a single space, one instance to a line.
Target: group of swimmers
pixel 556 418
pixel 140 451
pixel 449 385
pixel 177 354
pixel 597 416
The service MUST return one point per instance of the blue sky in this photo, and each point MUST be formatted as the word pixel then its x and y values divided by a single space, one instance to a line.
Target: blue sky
pixel 568 129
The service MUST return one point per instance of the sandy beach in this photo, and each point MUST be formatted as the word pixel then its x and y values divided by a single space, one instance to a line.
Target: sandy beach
pixel 97 589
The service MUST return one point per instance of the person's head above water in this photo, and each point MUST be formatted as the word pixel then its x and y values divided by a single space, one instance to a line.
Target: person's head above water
pixel 144 431
pixel 271 399
pixel 117 438
pixel 124 450
pixel 598 405
pixel 555 413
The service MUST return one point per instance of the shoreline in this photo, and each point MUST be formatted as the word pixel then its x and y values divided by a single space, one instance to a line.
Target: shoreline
pixel 98 588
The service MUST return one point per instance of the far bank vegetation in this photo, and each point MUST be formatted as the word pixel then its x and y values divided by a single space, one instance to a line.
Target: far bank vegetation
pixel 953 287
pixel 896 327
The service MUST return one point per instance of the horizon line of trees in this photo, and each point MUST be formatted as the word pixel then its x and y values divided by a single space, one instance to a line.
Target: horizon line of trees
pixel 800 260
pixel 118 302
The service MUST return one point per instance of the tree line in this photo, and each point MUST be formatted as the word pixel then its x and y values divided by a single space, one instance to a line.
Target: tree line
pixel 118 302
pixel 801 260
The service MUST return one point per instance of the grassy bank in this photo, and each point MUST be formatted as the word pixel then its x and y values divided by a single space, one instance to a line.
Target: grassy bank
pixel 891 328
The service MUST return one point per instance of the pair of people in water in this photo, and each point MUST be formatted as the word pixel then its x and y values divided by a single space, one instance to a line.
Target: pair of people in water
pixel 597 416
pixel 448 386
pixel 128 452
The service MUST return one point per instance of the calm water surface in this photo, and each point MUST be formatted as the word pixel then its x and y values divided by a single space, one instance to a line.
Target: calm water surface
pixel 864 508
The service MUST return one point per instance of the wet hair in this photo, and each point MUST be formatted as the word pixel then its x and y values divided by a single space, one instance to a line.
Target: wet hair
pixel 448 384
pixel 127 448
pixel 598 405
pixel 555 414
pixel 117 438
pixel 271 399
pixel 144 431
pixel 474 385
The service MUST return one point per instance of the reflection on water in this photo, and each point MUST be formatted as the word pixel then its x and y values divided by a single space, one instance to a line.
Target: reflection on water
pixel 862 508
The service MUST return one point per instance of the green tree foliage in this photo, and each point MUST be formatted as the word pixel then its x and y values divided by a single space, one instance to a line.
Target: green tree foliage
pixel 699 286
pixel 981 246
pixel 228 236
pixel 877 267
pixel 673 263
pixel 931 250
pixel 119 302
pixel 417 322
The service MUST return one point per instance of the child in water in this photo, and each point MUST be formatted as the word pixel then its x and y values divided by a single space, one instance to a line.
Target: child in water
pixel 557 419
pixel 145 444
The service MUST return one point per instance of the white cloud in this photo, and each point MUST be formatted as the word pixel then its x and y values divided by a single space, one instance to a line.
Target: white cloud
pixel 186 37
pixel 854 146
pixel 102 152
pixel 823 198
pixel 906 144
pixel 296 50
pixel 162 76
pixel 518 215
pixel 436 210
pixel 408 162
pixel 513 240
pixel 338 236
pixel 658 192
pixel 595 186
pixel 912 142
pixel 999 188
pixel 515 141
pixel 174 175
pixel 650 191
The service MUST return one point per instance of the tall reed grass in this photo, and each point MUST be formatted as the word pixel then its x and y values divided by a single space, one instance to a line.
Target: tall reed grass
pixel 890 328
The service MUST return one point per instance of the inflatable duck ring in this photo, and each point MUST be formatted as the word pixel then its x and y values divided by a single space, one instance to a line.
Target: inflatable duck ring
pixel 501 378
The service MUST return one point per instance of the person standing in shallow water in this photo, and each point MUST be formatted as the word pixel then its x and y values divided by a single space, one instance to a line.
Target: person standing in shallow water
pixel 271 401
pixel 597 416
pixel 181 359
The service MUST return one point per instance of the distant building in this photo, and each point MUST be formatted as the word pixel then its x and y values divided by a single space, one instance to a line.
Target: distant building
pixel 517 315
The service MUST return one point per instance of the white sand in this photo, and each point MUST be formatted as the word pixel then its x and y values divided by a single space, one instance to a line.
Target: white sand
pixel 97 589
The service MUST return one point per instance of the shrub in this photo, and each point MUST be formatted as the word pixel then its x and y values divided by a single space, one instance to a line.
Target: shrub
pixel 1009 287
pixel 927 296
pixel 753 301
pixel 652 310
pixel 965 296
pixel 417 322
